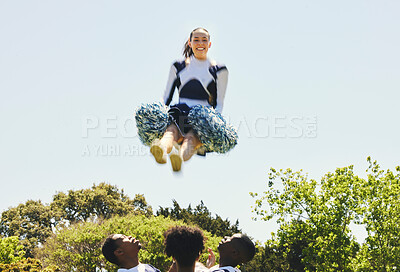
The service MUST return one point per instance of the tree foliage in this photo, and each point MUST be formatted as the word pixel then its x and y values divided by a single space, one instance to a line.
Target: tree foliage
pixel 201 217
pixel 78 247
pixel 102 201
pixel 314 219
pixel 381 217
pixel 11 250
pixel 29 264
pixel 30 222
pixel 33 221
pixel 268 257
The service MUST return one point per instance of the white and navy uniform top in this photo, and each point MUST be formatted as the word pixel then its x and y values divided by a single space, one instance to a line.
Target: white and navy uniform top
pixel 216 268
pixel 199 82
pixel 224 269
pixel 140 268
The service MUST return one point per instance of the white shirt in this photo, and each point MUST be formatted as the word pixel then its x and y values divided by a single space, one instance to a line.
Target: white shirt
pixel 224 269
pixel 216 268
pixel 199 267
pixel 139 268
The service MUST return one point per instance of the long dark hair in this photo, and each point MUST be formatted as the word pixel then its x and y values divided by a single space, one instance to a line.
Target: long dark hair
pixel 187 50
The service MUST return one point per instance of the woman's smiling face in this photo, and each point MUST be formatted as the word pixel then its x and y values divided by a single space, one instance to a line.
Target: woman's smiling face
pixel 200 43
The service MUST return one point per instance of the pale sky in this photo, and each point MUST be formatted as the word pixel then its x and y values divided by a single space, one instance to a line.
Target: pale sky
pixel 313 85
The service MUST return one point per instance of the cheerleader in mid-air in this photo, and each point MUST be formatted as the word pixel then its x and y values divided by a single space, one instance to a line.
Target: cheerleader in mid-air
pixel 194 125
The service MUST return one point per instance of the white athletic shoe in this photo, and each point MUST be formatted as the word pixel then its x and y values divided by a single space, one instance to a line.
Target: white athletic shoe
pixel 158 152
pixel 176 160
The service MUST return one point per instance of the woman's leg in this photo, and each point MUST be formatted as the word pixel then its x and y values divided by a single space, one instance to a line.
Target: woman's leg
pixel 170 136
pixel 189 145
pixel 161 147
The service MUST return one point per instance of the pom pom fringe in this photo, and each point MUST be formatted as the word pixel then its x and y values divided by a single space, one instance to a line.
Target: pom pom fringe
pixel 212 129
pixel 151 122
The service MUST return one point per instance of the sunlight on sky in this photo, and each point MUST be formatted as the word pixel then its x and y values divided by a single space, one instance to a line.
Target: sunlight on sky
pixel 313 85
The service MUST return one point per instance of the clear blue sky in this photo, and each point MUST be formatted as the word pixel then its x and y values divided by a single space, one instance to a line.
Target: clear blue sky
pixel 313 85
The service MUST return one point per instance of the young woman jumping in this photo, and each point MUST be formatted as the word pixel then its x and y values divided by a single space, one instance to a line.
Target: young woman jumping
pixel 194 124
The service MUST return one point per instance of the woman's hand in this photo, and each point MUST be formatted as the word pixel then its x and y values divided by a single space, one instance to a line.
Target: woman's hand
pixel 173 267
pixel 211 258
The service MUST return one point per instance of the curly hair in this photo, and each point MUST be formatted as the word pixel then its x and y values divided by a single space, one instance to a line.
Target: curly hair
pixel 184 244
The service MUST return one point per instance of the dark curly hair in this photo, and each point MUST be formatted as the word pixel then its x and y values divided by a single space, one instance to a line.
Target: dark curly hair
pixel 184 244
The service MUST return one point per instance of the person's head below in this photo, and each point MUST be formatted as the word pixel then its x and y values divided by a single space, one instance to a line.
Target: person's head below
pixel 235 250
pixel 184 244
pixel 121 250
pixel 197 44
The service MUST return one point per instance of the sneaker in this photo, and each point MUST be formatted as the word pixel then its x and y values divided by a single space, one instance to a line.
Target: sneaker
pixel 176 160
pixel 158 152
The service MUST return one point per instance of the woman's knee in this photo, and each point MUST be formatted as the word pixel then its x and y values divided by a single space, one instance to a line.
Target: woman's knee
pixel 192 139
pixel 172 129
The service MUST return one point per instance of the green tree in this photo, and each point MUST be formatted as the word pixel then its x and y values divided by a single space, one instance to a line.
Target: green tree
pixel 381 217
pixel 269 257
pixel 29 264
pixel 284 252
pixel 78 246
pixel 31 222
pixel 100 201
pixel 34 221
pixel 201 217
pixel 11 250
pixel 320 213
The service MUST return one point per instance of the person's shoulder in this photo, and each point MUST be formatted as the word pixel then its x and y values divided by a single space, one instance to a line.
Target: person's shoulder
pixel 217 69
pixel 179 64
pixel 150 268
pixel 199 267
pixel 217 66
pixel 224 269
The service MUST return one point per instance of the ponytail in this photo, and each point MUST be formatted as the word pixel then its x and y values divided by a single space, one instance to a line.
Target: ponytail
pixel 187 50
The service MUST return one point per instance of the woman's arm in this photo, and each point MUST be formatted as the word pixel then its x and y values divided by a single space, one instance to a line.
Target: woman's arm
pixel 222 82
pixel 170 88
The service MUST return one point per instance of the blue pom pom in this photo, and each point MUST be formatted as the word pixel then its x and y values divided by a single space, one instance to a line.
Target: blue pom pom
pixel 151 122
pixel 212 129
